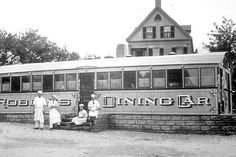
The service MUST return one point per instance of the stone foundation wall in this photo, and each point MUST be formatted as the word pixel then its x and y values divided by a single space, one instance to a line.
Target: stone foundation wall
pixel 20 117
pixel 174 123
pixel 196 124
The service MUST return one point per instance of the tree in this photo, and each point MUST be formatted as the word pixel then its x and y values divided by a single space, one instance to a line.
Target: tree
pixel 31 47
pixel 222 38
pixel 7 48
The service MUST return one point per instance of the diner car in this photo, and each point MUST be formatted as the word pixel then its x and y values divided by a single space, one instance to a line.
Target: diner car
pixel 173 84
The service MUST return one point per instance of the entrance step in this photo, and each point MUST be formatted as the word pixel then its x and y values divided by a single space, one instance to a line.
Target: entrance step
pixel 100 124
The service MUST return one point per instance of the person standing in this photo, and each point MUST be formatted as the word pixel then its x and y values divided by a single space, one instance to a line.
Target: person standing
pixel 94 107
pixel 54 115
pixel 39 104
pixel 82 116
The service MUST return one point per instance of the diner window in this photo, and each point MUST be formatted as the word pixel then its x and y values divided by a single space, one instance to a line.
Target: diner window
pixel 167 31
pixel 5 84
pixel 129 79
pixel 59 81
pixel 149 32
pixel 37 82
pixel 158 78
pixel 116 80
pixel 47 82
pixel 15 83
pixel 102 80
pixel 207 77
pixel 25 83
pixel 144 79
pixel 174 78
pixel 71 83
pixel 191 77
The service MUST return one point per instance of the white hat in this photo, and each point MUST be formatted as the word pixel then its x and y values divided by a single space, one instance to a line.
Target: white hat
pixel 81 105
pixel 40 92
pixel 93 95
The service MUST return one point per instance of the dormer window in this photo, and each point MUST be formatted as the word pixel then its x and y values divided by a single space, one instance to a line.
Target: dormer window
pixel 157 17
pixel 149 32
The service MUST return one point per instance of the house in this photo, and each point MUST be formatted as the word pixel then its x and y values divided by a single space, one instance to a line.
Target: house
pixel 159 34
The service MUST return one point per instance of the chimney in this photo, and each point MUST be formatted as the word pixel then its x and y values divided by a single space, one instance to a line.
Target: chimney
pixel 121 50
pixel 158 3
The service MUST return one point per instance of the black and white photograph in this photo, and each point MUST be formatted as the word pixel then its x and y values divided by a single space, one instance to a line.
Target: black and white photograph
pixel 118 78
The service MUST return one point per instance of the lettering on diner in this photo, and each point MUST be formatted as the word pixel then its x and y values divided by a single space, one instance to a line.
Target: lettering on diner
pixel 183 101
pixel 24 102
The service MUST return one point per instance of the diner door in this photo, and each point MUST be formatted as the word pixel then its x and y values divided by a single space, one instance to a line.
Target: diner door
pixel 86 88
pixel 224 92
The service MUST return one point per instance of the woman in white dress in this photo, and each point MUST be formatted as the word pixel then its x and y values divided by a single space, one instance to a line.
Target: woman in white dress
pixel 54 115
pixel 82 117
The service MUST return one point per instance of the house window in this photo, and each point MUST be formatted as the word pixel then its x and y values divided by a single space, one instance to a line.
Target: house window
pixel 149 32
pixel 161 51
pixel 150 52
pixel 185 50
pixel 173 49
pixel 167 31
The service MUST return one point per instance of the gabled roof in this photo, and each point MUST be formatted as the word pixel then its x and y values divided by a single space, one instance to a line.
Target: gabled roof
pixel 149 15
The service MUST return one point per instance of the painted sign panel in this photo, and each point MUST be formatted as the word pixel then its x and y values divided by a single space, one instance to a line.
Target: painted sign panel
pixel 161 102
pixel 23 102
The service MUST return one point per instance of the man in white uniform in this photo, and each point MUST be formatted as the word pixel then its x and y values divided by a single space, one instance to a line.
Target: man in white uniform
pixel 39 104
pixel 94 107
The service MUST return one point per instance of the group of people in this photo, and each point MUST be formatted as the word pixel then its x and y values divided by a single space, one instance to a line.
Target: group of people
pixel 55 116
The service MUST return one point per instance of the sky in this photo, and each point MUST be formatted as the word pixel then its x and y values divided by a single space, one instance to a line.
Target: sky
pixel 97 26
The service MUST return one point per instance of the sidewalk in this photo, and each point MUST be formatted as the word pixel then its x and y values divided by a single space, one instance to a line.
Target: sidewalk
pixel 21 140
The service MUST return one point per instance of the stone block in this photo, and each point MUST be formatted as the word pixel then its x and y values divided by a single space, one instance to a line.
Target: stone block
pixel 146 117
pixel 151 122
pixel 180 123
pixel 205 117
pixel 169 122
pixel 165 128
pixel 156 128
pixel 185 118
pixel 205 128
pixel 175 117
pixel 160 122
pixel 190 123
pixel 140 117
pixel 131 121
pixel 121 121
pixel 175 128
pixel 156 117
pixel 141 122
pixel 163 117
pixel 147 127
pixel 127 117
pixel 119 117
pixel 195 128
pixel 195 118
pixel 137 127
